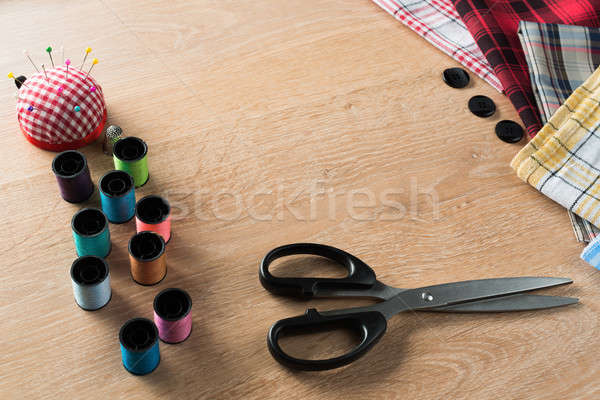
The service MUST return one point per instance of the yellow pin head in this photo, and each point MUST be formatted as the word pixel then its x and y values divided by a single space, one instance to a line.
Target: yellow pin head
pixel 95 61
pixel 11 75
pixel 87 50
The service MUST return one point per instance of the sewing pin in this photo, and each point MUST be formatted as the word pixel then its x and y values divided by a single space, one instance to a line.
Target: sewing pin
pixel 94 62
pixel 87 51
pixel 49 51
pixel 67 63
pixel 26 53
pixel 44 69
pixel 12 76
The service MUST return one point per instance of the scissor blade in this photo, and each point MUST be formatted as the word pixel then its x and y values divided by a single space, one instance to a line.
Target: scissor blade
pixel 515 302
pixel 429 297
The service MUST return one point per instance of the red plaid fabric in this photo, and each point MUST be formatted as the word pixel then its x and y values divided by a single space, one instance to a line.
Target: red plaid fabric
pixel 494 25
pixel 438 22
pixel 47 115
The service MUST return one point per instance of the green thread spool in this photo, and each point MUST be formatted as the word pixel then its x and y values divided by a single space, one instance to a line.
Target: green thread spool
pixel 130 154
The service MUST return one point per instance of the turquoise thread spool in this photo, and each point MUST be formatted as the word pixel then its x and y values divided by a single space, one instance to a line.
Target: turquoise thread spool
pixel 117 196
pixel 138 338
pixel 130 154
pixel 90 233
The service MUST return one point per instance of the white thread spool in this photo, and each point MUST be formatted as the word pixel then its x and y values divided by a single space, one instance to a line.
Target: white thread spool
pixel 91 282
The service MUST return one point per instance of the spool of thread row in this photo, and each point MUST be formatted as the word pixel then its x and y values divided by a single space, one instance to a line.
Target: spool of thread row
pixel 153 213
pixel 140 353
pixel 130 154
pixel 147 258
pixel 91 282
pixel 117 196
pixel 90 233
pixel 73 176
pixel 172 315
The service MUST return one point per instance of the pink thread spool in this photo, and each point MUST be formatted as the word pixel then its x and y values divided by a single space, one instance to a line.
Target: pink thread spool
pixel 173 315
pixel 153 213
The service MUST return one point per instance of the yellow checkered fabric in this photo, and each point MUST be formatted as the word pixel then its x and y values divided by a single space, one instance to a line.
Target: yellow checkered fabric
pixel 563 159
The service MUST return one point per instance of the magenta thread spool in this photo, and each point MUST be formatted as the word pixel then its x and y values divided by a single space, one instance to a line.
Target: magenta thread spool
pixel 73 176
pixel 173 315
pixel 153 213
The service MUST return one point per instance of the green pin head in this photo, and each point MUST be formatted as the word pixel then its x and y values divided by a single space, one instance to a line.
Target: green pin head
pixel 49 49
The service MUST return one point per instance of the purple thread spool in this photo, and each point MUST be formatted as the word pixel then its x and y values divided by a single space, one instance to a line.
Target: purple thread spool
pixel 73 176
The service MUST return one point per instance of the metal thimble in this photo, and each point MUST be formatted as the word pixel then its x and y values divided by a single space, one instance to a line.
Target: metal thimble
pixel 113 134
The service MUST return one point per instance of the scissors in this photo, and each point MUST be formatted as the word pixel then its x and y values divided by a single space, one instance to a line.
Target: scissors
pixel 484 295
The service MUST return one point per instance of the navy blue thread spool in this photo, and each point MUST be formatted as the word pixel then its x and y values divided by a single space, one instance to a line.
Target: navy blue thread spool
pixel 73 176
pixel 90 278
pixel 140 353
pixel 90 233
pixel 117 196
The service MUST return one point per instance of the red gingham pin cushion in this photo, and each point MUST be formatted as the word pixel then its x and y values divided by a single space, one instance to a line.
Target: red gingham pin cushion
pixel 65 111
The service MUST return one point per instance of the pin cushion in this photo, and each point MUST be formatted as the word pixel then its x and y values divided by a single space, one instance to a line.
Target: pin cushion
pixel 64 111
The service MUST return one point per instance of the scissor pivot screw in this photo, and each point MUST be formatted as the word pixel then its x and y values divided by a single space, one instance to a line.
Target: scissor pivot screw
pixel 426 296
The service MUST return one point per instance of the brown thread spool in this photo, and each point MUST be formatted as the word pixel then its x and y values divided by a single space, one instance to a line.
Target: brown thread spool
pixel 147 258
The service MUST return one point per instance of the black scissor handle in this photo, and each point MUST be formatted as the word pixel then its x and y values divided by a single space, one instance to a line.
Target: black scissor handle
pixel 360 275
pixel 370 324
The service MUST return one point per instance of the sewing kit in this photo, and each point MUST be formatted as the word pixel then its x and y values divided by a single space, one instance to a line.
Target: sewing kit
pixel 61 108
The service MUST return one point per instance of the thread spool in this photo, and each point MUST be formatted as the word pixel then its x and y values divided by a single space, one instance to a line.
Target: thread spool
pixel 73 176
pixel 153 213
pixel 140 353
pixel 91 282
pixel 130 154
pixel 147 258
pixel 172 315
pixel 90 233
pixel 117 196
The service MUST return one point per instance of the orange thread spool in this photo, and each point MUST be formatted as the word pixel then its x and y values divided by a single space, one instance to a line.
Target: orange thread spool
pixel 147 258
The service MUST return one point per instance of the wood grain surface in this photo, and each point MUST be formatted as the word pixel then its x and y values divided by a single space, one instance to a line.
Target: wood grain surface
pixel 271 122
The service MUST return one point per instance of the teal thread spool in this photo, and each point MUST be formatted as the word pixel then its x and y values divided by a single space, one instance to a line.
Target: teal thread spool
pixel 90 233
pixel 130 154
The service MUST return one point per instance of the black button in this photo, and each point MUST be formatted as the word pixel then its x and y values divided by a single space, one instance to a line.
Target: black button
pixel 456 77
pixel 509 131
pixel 19 81
pixel 482 106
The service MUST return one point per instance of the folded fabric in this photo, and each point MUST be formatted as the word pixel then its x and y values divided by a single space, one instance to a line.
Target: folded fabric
pixel 438 23
pixel 563 160
pixel 591 253
pixel 559 58
pixel 494 23
pixel 584 230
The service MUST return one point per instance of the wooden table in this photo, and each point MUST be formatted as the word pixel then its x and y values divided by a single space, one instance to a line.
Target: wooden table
pixel 305 99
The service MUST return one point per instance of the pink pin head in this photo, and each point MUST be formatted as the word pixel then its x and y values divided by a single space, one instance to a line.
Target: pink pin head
pixel 92 88
pixel 60 88
pixel 68 62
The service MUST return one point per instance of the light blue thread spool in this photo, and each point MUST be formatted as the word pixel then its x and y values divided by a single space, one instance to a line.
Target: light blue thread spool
pixel 117 196
pixel 139 346
pixel 90 278
pixel 90 233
